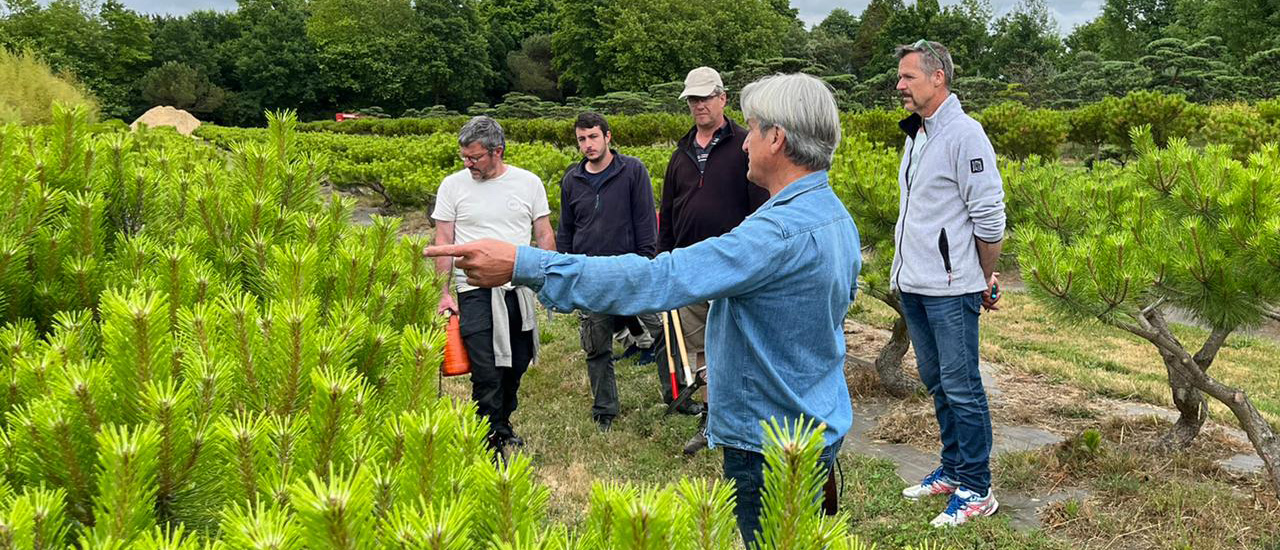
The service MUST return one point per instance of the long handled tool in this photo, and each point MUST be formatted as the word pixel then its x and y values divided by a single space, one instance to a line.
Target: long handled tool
pixel 671 367
pixel 684 353
pixel 693 382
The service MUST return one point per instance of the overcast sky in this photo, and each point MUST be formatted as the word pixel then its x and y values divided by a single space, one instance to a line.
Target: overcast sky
pixel 1068 13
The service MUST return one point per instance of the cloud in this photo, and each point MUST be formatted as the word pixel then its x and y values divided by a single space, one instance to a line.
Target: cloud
pixel 178 7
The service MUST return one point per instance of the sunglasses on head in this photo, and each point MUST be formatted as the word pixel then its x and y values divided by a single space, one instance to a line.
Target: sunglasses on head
pixel 922 43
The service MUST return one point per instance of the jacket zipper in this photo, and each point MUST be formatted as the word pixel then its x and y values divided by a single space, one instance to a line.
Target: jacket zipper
pixel 897 277
pixel 701 172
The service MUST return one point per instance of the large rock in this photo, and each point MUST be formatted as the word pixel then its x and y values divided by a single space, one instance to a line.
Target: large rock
pixel 168 116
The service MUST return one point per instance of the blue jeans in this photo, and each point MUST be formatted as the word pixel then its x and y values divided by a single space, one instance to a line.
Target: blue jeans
pixel 944 332
pixel 746 469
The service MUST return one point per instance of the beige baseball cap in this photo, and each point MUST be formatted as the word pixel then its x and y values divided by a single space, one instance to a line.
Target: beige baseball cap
pixel 701 82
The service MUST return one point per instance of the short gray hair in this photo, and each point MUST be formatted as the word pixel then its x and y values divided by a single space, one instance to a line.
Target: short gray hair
pixel 803 106
pixel 937 58
pixel 484 130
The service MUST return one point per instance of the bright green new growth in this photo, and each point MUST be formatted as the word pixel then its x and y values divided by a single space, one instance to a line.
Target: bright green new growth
pixel 792 500
pixel 198 352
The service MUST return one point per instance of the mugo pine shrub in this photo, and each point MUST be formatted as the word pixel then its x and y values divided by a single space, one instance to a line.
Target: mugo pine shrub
pixel 198 352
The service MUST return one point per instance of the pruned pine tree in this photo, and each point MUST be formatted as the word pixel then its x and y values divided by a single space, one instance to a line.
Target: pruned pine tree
pixel 1179 229
pixel 865 177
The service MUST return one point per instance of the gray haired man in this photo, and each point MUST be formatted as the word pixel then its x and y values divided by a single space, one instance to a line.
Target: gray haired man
pixel 781 282
pixel 950 227
pixel 488 199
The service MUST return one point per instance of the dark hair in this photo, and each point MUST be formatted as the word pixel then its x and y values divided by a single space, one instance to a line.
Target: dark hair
pixel 589 119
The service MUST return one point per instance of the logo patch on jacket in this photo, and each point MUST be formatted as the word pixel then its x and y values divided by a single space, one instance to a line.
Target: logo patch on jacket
pixel 975 166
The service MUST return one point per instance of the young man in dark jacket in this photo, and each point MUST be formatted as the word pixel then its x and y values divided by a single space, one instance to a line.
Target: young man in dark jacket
pixel 705 194
pixel 606 209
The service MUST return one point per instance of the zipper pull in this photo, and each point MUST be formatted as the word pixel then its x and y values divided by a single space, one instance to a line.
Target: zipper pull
pixel 700 177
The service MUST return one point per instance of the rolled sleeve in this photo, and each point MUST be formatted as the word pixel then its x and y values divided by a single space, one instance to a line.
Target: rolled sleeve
pixel 529 269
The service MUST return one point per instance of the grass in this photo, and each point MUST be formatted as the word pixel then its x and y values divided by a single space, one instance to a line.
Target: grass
pixel 1106 361
pixel 1144 499
pixel 569 454
pixel 1133 496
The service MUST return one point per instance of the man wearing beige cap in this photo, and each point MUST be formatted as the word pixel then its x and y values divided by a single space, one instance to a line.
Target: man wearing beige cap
pixel 705 193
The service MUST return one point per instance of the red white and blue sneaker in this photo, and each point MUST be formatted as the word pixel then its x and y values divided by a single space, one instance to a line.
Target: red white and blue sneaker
pixel 933 484
pixel 964 506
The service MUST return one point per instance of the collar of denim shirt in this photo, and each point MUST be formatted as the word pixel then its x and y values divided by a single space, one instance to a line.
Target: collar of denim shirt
pixel 809 182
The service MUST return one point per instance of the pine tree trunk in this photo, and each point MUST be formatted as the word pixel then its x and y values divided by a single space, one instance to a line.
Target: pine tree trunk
pixel 1193 370
pixel 889 361
pixel 1189 401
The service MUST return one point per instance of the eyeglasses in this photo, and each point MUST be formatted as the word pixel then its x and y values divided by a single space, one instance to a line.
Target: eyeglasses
pixel 473 159
pixel 694 100
pixel 922 43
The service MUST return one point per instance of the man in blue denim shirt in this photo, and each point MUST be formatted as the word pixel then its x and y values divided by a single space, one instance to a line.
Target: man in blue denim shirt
pixel 780 285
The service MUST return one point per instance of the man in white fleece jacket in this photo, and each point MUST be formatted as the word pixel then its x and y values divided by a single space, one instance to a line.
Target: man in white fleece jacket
pixel 951 223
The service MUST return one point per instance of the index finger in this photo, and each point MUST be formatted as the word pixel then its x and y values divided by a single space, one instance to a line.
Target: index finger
pixel 444 250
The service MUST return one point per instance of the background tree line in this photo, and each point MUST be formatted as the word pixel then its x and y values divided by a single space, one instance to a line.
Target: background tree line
pixel 428 57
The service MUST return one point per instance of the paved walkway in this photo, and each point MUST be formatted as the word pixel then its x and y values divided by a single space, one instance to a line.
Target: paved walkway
pixel 1024 509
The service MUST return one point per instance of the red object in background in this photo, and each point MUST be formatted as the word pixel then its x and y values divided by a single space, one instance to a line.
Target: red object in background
pixel 456 362
pixel 347 116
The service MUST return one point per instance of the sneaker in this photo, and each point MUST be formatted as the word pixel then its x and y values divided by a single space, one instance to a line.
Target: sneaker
pixel 696 443
pixel 933 484
pixel 965 505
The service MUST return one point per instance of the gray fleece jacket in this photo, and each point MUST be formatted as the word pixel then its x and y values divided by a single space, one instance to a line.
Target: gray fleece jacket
pixel 950 194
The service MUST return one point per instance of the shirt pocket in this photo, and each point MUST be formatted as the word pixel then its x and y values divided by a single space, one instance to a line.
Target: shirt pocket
pixel 944 253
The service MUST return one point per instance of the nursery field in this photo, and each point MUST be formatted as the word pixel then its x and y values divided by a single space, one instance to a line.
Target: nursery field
pixel 199 349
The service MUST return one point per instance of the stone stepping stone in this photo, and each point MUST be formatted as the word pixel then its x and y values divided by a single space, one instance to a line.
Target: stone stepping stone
pixel 1242 464
pixel 1021 438
pixel 1024 510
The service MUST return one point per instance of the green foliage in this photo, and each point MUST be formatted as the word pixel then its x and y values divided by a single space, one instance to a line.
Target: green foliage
pixel 398 53
pixel 1109 121
pixel 31 89
pixel 179 85
pixel 105 45
pixel 793 478
pixel 1175 226
pixel 865 177
pixel 628 130
pixel 1240 127
pixel 1018 132
pixel 254 372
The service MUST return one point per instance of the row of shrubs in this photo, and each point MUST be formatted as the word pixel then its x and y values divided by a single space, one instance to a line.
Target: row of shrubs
pixel 642 129
pixel 1098 130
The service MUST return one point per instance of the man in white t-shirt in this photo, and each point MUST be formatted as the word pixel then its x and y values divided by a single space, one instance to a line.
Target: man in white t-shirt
pixel 491 200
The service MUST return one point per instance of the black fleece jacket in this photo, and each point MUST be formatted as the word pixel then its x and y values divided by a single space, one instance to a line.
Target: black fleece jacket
pixel 618 219
pixel 698 205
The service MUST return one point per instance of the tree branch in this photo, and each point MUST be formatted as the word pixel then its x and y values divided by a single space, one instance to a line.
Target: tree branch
pixel 1209 351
